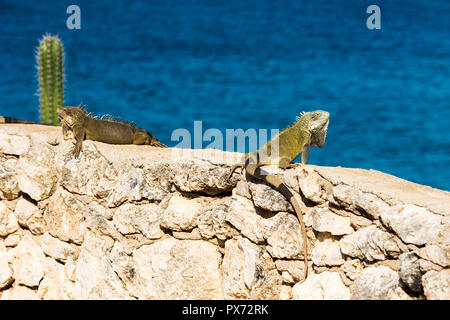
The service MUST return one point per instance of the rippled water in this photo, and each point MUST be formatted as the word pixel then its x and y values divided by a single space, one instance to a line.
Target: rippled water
pixel 253 64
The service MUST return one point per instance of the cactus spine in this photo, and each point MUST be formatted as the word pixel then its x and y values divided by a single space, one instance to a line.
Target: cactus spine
pixel 50 58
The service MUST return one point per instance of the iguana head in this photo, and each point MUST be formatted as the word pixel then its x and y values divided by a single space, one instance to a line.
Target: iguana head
pixel 316 122
pixel 69 116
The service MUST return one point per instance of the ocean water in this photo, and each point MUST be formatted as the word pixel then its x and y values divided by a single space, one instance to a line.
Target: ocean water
pixel 252 64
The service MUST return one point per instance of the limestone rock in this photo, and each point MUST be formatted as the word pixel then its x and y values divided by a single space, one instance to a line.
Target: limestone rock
pixel 158 180
pixel 64 217
pixel 131 218
pixel 282 230
pixel 36 174
pixel 242 189
pixel 94 275
pixel 134 184
pixel 179 213
pixel 436 284
pixel 370 244
pixel 358 222
pixel 6 276
pixel 377 283
pixel 323 220
pixel 130 222
pixel 412 224
pixel 164 274
pixel 242 216
pixel 249 272
pixel 70 269
pixel 357 200
pixel 323 286
pixel 19 292
pixel 194 234
pixel 29 216
pixel 295 268
pixel 287 278
pixel 27 262
pixel 130 185
pixel 327 253
pixel 13 239
pixel 313 187
pixel 211 222
pixel 426 265
pixel 14 144
pixel 97 219
pixel 55 285
pixel 284 237
pixel 9 188
pixel 436 254
pixel 8 221
pixel 123 265
pixel 197 175
pixel 24 210
pixel 91 174
pixel 350 270
pixel 286 293
pixel 57 249
pixel 267 198
pixel 410 272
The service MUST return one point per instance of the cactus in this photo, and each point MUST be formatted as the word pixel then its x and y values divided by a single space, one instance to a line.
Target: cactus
pixel 50 59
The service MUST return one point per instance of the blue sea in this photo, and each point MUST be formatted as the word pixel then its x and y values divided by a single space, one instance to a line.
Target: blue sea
pixel 252 64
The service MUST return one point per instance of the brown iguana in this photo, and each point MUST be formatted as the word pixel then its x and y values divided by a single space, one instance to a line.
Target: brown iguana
pixel 310 129
pixel 78 125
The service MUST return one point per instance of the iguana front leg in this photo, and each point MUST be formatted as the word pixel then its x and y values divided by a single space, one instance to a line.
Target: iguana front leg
pixel 286 163
pixel 79 134
pixel 67 133
pixel 305 153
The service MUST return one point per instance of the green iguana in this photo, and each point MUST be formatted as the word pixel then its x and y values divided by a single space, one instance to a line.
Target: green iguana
pixel 78 125
pixel 310 129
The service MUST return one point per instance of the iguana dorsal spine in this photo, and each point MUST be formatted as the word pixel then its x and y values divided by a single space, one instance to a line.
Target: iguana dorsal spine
pixel 78 125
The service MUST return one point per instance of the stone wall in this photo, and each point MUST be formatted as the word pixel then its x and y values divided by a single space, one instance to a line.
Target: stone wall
pixel 138 222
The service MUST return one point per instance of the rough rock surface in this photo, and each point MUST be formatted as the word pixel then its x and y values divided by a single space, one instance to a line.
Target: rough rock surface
pixel 249 272
pixel 370 244
pixel 139 222
pixel 437 284
pixel 377 283
pixel 164 273
pixel 323 286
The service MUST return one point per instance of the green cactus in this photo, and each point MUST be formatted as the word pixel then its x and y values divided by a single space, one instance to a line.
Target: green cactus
pixel 50 58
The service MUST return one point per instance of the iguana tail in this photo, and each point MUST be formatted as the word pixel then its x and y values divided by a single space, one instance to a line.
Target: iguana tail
pixel 278 184
pixel 240 165
pixel 157 143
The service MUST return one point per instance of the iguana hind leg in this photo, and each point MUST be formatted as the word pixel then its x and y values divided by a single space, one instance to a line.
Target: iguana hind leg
pixel 141 137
